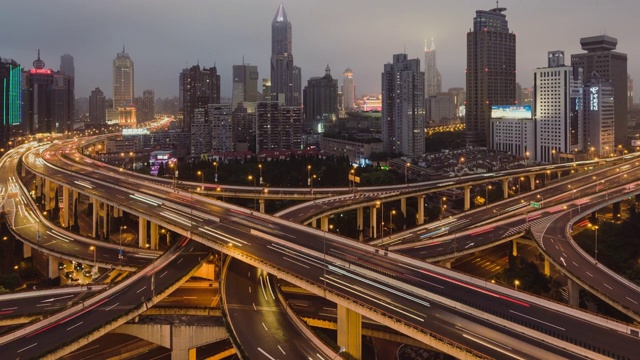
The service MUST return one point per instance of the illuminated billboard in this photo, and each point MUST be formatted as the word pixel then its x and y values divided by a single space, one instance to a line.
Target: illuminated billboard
pixel 511 111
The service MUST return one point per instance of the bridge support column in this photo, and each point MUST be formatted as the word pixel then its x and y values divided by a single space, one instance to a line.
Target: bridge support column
pixel 532 182
pixel 155 237
pixel 467 197
pixel 47 194
pixel 105 218
pixel 53 267
pixel 65 208
pixel 26 250
pixel 261 201
pixel 420 219
pixel 96 205
pixel 515 247
pixel 560 174
pixel 38 186
pixel 72 207
pixel 373 221
pixel 547 267
pixel 574 293
pixel 446 263
pixel 313 223
pixel 360 222
pixel 505 188
pixel 350 331
pixel 403 206
pixel 324 223
pixel 142 232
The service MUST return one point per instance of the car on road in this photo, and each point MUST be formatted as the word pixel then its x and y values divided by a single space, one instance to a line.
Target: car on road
pixel 86 272
pixel 61 265
pixel 77 266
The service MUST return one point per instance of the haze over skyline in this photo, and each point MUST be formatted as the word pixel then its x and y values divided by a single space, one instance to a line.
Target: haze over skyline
pixel 163 37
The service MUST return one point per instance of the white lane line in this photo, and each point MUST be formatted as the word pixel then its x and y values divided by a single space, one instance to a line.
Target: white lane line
pixel 589 274
pixel 144 287
pixel 112 306
pixel 633 301
pixel 605 284
pixel 179 261
pixel 80 323
pixel 574 263
pixel 295 262
pixel 28 347
pixel 249 274
pixel 265 354
pixel 254 306
pixel 544 322
pixel 269 286
pixel 492 346
pixel 282 350
pixel 249 289
pixel 264 293
pixel 265 326
pixel 11 308
pixel 164 273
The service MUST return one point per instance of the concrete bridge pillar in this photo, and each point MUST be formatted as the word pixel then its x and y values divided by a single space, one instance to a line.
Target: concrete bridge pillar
pixel 560 174
pixel 467 197
pixel 547 267
pixel 350 331
pixel 515 247
pixel 38 186
pixel 373 221
pixel 574 293
pixel 505 188
pixel 26 250
pixel 324 223
pixel 312 223
pixel 105 217
pixel 420 219
pixel 96 205
pixel 47 194
pixel 154 235
pixel 261 201
pixel 72 207
pixel 360 222
pixel 53 267
pixel 65 208
pixel 142 232
pixel 446 263
pixel 532 182
pixel 403 206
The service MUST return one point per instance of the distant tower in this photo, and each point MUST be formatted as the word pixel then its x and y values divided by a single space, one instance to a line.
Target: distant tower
pixel 403 116
pixel 200 87
pixel 97 107
pixel 491 72
pixel 10 98
pixel 66 65
pixel 348 90
pixel 321 98
pixel 432 78
pixel 123 80
pixel 284 81
pixel 245 85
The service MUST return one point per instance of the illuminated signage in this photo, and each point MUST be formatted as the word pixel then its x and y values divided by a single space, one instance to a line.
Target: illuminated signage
pixel 635 143
pixel 593 92
pixel 40 71
pixel 511 111
pixel 135 131
pixel 163 157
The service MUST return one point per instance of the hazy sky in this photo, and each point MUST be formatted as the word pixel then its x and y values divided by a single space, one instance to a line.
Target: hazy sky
pixel 165 36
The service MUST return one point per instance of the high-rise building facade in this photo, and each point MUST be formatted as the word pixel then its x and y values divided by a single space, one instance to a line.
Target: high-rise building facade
pixel 97 107
pixel 403 115
pixel 629 92
pixel 599 116
pixel 66 65
pixel 146 109
pixel 243 127
pixel 200 131
pixel 557 109
pixel 432 77
pixel 490 73
pixel 200 87
pixel 348 90
pixel 601 58
pixel 245 85
pixel 123 80
pixel 278 127
pixel 47 99
pixel 10 98
pixel 221 119
pixel 321 98
pixel 286 79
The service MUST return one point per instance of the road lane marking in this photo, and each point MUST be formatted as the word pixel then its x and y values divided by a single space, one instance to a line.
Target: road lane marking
pixel 544 322
pixel 265 354
pixel 264 293
pixel 179 261
pixel 28 347
pixel 605 284
pixel 633 301
pixel 282 350
pixel 112 306
pixel 589 274
pixel 164 273
pixel 574 263
pixel 249 289
pixel 11 308
pixel 265 326
pixel 254 306
pixel 80 323
pixel 295 262
pixel 144 287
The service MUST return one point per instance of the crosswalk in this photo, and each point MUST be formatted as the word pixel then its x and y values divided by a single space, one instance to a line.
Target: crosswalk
pixel 538 226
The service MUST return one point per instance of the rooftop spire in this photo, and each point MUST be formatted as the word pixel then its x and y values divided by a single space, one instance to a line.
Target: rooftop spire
pixel 38 63
pixel 281 15
pixel 327 70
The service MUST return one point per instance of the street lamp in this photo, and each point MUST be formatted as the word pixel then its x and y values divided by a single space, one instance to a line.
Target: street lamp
pixel 406 168
pixel 526 158
pixel 308 175
pixel 391 213
pixel 95 262
pixel 381 204
pixel 215 163
pixel 486 194
pixel 120 249
pixel 260 168
pixel 339 352
pixel 516 283
pixel 442 206
pixel 201 174
pixel 595 227
pixel 132 154
pixel 254 189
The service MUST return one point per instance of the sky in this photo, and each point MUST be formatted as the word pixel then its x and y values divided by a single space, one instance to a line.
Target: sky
pixel 163 37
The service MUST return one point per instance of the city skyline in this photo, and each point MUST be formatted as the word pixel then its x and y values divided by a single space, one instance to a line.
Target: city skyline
pixel 161 47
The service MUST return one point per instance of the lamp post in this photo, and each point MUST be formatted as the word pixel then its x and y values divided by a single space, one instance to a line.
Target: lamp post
pixel 201 174
pixel 516 282
pixel 442 206
pixel 595 227
pixel 95 261
pixel 381 204
pixel 309 175
pixel 215 163
pixel 406 169
pixel 486 194
pixel 541 201
pixel 260 169
pixel 339 352
pixel 120 249
pixel 391 213
pixel 133 155
pixel 526 158
pixel 255 190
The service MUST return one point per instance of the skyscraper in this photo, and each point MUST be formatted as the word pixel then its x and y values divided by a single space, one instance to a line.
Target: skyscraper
pixel 245 84
pixel 278 127
pixel 146 111
pixel 47 100
pixel 200 87
pixel 432 78
pixel 601 58
pixel 97 107
pixel 284 81
pixel 629 92
pixel 403 116
pixel 321 98
pixel 66 65
pixel 557 110
pixel 10 98
pixel 348 90
pixel 491 72
pixel 599 116
pixel 123 80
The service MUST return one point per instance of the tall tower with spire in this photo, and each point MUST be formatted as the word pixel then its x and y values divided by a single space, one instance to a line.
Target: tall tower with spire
pixel 285 80
pixel 432 78
pixel 123 80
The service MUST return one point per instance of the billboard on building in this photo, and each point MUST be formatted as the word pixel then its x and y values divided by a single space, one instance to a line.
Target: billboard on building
pixel 511 111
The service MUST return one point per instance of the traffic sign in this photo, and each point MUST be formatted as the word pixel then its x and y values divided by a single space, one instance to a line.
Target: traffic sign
pixel 535 204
